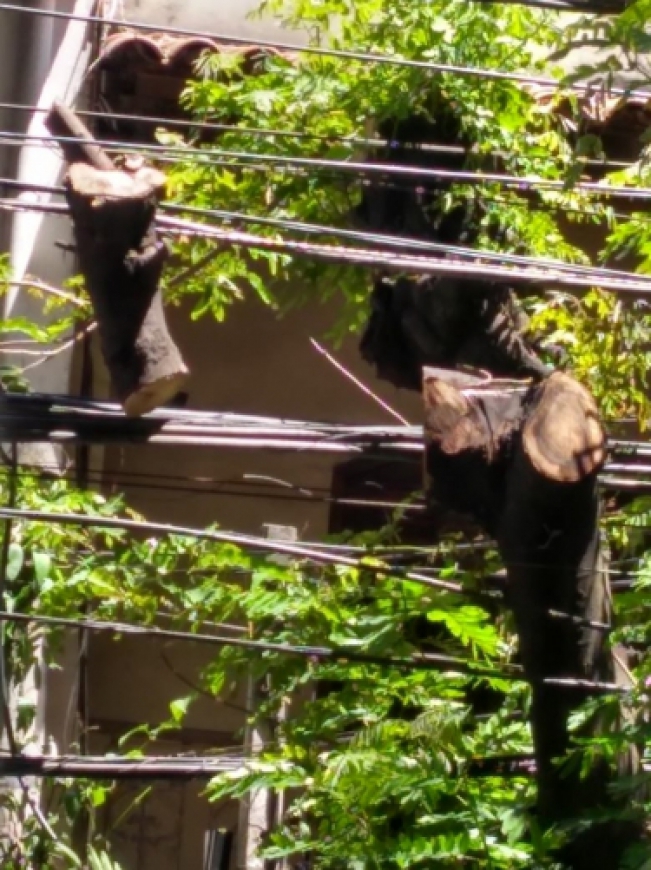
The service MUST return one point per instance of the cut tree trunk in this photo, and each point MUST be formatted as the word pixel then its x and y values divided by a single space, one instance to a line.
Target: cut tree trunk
pixel 524 462
pixel 113 213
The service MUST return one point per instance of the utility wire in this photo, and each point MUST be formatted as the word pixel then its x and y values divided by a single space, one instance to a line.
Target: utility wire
pixel 292 48
pixel 379 239
pixel 234 128
pixel 163 415
pixel 369 258
pixel 247 542
pixel 399 242
pixel 344 255
pixel 350 167
pixel 251 491
pixel 25 419
pixel 98 768
pixel 193 767
pixel 549 206
pixel 599 8
pixel 193 125
pixel 416 661
pixel 5 677
pixel 315 554
pixel 341 655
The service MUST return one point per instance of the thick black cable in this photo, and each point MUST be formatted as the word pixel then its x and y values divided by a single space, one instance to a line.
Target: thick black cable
pixel 407 243
pixel 118 769
pixel 415 264
pixel 376 258
pixel 368 258
pixel 379 239
pixel 234 128
pixel 547 207
pixel 6 717
pixel 601 7
pixel 125 480
pixel 26 422
pixel 29 416
pixel 114 410
pixel 248 542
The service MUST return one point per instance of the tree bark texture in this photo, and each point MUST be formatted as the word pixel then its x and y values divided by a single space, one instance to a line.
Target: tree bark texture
pixel 524 462
pixel 424 320
pixel 113 213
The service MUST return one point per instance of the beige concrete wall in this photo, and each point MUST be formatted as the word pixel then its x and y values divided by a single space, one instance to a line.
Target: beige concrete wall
pixel 257 363
pixel 223 16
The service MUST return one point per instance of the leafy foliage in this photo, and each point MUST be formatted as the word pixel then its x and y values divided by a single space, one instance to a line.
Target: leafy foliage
pixel 333 103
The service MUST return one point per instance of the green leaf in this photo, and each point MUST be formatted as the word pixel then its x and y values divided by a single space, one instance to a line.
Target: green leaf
pixel 15 561
pixel 179 708
pixel 42 566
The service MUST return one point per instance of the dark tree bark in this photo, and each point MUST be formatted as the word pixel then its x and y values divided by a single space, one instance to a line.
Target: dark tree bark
pixel 113 213
pixel 429 321
pixel 524 464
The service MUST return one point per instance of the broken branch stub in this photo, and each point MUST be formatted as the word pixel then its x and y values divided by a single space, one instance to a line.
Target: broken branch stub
pixel 113 214
pixel 563 437
pixel 65 126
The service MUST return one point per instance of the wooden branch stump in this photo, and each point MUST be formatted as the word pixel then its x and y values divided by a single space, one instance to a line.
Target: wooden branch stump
pixel 523 462
pixel 113 213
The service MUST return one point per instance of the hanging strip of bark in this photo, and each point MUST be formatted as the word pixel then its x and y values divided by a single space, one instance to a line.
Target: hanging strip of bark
pixel 121 258
pixel 524 464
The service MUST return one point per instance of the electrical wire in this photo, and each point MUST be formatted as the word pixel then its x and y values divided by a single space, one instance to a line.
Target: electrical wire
pixel 293 48
pixel 379 239
pixel 298 551
pixel 234 128
pixel 25 421
pixel 252 492
pixel 351 167
pixel 37 416
pixel 316 554
pixel 163 415
pixel 598 8
pixel 546 205
pixel 387 553
pixel 97 768
pixel 340 655
pixel 194 125
pixel 383 240
pixel 369 258
pixel 195 767
pixel 12 493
